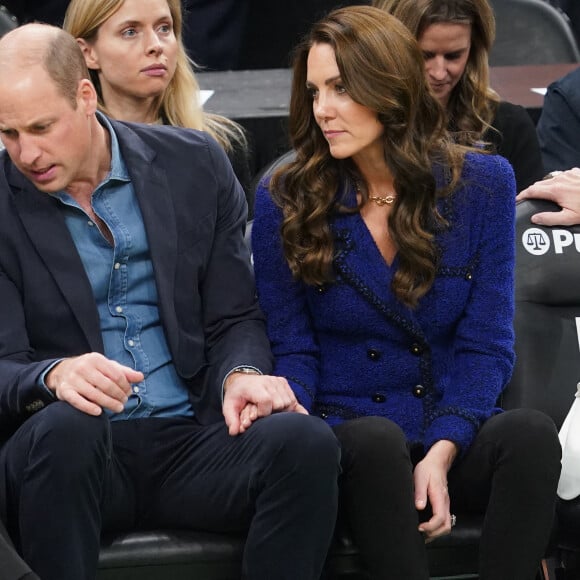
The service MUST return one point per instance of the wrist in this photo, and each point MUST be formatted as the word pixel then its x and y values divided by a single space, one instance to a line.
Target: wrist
pixel 239 371
pixel 444 452
pixel 245 371
pixel 51 378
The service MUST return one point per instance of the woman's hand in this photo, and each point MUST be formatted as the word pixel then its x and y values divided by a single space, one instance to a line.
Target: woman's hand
pixel 430 478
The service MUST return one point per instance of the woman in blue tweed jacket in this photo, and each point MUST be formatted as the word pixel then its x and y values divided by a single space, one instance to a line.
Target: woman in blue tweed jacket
pixel 384 259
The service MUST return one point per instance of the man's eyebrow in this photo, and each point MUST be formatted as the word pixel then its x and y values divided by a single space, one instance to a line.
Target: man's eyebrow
pixel 32 125
pixel 39 121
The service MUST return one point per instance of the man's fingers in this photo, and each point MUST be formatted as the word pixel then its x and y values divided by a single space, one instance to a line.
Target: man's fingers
pixel 283 397
pixel 107 386
pixel 564 217
pixel 249 396
pixel 93 395
pixel 281 394
pixel 231 412
pixel 93 385
pixel 264 406
pixel 121 376
pixel 79 402
pixel 92 380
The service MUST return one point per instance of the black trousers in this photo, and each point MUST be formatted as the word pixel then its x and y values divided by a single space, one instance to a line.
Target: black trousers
pixel 68 476
pixel 510 473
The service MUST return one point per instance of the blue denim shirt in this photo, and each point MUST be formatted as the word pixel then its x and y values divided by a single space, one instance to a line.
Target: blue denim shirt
pixel 124 289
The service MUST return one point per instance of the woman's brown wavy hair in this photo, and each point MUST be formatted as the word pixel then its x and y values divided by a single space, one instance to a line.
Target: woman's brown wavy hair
pixel 473 103
pixel 382 68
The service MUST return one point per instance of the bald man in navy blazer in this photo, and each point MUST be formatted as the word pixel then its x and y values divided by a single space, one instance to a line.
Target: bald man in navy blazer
pixel 128 311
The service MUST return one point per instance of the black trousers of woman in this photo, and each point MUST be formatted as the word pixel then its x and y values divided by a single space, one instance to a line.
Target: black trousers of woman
pixel 510 473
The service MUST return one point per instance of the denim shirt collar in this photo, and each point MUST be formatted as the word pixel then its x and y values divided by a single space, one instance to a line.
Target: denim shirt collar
pixel 118 168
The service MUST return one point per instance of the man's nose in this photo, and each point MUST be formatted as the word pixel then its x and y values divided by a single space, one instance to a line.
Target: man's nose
pixel 29 150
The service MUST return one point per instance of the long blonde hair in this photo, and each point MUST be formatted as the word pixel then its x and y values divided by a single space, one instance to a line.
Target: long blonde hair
pixel 178 104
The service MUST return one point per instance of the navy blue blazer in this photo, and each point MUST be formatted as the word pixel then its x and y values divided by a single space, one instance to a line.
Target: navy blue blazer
pixel 194 212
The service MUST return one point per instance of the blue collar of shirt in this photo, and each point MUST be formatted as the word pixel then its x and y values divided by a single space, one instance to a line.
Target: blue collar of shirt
pixel 118 168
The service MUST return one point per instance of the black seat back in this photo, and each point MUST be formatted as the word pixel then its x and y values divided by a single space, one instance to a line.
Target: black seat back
pixel 547 318
pixel 7 21
pixel 531 32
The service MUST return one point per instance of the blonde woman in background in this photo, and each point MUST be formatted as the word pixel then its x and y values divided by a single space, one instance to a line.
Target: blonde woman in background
pixel 456 37
pixel 138 63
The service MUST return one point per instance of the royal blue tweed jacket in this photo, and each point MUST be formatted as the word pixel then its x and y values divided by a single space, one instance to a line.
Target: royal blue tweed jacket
pixel 350 348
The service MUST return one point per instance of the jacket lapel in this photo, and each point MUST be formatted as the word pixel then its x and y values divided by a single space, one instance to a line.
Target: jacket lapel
pixel 360 264
pixel 156 202
pixel 46 228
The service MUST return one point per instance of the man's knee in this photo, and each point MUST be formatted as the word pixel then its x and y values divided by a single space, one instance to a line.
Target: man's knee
pixel 303 439
pixel 60 430
pixel 60 420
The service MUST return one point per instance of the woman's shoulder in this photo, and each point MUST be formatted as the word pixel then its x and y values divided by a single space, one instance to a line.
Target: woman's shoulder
pixel 486 177
pixel 509 117
pixel 484 168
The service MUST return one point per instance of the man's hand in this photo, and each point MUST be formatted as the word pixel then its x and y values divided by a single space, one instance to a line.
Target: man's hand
pixel 91 382
pixel 430 478
pixel 248 397
pixel 564 189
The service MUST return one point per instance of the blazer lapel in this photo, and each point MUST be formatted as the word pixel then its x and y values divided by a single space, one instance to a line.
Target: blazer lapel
pixel 360 264
pixel 156 202
pixel 48 233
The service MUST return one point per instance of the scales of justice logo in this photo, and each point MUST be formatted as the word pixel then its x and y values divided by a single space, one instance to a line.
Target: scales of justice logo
pixel 536 241
pixel 539 242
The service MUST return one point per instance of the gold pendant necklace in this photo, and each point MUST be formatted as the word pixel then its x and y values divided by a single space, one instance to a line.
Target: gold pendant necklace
pixel 380 200
pixel 383 199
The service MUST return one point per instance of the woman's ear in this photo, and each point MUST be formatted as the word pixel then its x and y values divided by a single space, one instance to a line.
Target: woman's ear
pixel 89 53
